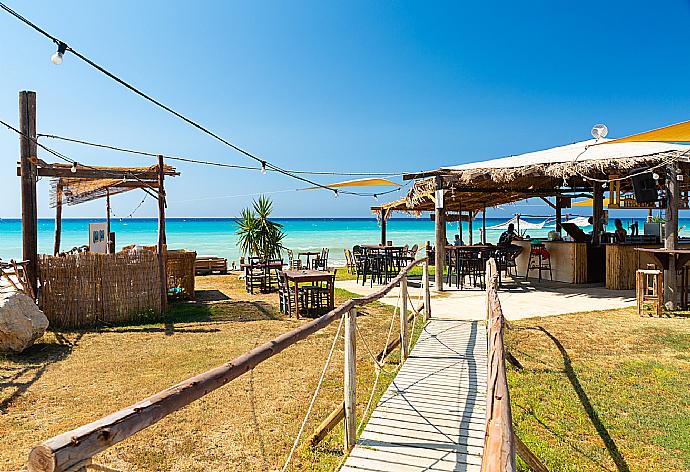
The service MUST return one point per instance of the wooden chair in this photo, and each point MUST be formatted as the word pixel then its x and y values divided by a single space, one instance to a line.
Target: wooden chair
pixel 649 288
pixel 319 294
pixel 349 262
pixel 294 264
pixel 255 275
pixel 321 262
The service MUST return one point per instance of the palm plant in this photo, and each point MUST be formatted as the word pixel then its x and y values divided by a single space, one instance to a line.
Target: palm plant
pixel 257 234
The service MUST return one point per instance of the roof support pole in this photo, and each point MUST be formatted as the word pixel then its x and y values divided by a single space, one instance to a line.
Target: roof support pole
pixel 384 217
pixel 471 216
pixel 162 241
pixel 58 219
pixel 440 220
pixel 671 237
pixel 597 212
pixel 559 217
pixel 107 221
pixel 28 155
pixel 484 225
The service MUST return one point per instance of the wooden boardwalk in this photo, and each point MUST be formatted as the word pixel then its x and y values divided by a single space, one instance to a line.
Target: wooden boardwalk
pixel 432 415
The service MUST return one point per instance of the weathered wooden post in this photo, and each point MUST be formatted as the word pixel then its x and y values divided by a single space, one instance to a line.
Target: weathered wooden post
pixel 559 217
pixel 384 217
pixel 671 237
pixel 107 219
pixel 28 161
pixel 404 335
pixel 58 219
pixel 350 379
pixel 597 212
pixel 470 230
pixel 484 226
pixel 162 242
pixel 427 290
pixel 440 236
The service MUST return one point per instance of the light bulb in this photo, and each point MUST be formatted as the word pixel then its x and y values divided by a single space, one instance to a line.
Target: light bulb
pixel 376 197
pixel 73 169
pixel 57 57
pixel 335 194
pixel 655 176
pixel 263 167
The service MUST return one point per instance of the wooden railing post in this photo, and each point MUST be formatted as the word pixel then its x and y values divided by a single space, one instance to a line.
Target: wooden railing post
pixel 427 290
pixel 350 382
pixel 404 336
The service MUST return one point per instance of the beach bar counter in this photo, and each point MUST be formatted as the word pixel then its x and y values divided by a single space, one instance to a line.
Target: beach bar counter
pixel 568 261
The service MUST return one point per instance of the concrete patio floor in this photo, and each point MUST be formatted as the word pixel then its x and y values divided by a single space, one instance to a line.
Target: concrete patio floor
pixel 519 298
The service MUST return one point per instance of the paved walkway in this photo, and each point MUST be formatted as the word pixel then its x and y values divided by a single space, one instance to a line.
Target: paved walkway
pixel 432 415
pixel 519 299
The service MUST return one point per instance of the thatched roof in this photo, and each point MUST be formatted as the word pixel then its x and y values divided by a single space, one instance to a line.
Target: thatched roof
pixel 479 185
pixel 114 180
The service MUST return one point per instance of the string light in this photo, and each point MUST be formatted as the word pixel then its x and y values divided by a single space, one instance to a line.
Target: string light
pixel 263 167
pixel 73 169
pixel 335 193
pixel 57 57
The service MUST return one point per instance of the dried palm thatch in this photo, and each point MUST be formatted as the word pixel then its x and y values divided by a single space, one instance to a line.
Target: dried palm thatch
pixel 475 186
pixel 114 180
pixel 180 266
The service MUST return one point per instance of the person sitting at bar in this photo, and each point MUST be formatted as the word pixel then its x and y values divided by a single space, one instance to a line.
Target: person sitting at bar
pixel 620 233
pixel 505 241
pixel 458 241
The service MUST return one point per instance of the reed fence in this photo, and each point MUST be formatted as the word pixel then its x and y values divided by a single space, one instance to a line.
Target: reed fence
pixel 180 266
pixel 84 290
pixel 73 450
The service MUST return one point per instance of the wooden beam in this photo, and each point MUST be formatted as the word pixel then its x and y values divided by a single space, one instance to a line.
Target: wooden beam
pixel 404 332
pixel 548 202
pixel 27 147
pixel 484 226
pixel 107 219
pixel 559 216
pixel 88 173
pixel 427 291
pixel 384 217
pixel 597 212
pixel 162 240
pixel 528 456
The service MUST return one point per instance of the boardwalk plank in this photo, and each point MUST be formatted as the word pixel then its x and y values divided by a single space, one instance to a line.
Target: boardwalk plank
pixel 432 416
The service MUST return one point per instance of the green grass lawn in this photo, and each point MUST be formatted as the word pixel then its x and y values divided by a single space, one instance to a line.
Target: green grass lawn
pixel 603 391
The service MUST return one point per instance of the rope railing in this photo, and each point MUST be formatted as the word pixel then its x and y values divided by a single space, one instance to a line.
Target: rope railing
pixel 73 450
pixel 499 442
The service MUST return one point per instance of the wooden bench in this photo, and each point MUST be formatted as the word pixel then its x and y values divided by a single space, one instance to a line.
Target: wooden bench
pixel 209 264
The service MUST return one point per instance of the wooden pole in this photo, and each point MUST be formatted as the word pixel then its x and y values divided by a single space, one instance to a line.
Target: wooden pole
pixel 384 214
pixel 440 221
pixel 58 219
pixel 427 291
pixel 671 236
pixel 162 242
pixel 597 212
pixel 559 216
pixel 107 221
pixel 350 379
pixel 28 156
pixel 484 226
pixel 469 226
pixel 404 335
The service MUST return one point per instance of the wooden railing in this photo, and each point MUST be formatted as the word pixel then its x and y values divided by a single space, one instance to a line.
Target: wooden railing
pixel 499 442
pixel 73 450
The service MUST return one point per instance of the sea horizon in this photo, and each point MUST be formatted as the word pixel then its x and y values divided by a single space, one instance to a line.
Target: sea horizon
pixel 216 236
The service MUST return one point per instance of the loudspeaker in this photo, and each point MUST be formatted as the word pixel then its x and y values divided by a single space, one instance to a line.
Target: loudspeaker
pixel 644 187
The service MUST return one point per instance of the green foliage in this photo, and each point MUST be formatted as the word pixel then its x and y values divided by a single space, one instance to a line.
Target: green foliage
pixel 257 234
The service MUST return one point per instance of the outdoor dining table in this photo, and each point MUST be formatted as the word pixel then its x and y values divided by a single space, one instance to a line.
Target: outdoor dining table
pixel 301 276
pixel 308 254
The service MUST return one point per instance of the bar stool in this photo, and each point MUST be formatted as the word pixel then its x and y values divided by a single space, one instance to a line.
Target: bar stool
pixel 649 288
pixel 539 259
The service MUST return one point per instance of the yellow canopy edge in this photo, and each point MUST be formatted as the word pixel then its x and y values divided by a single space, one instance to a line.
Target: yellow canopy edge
pixel 374 182
pixel 678 133
pixel 588 203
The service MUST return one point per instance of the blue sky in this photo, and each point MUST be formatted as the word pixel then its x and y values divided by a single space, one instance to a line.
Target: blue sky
pixel 344 86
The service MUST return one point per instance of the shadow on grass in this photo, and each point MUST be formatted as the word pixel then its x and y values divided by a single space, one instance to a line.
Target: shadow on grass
pixel 33 363
pixel 615 454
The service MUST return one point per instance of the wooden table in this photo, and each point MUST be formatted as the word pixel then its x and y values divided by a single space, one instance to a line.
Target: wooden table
pixel 308 254
pixel 310 275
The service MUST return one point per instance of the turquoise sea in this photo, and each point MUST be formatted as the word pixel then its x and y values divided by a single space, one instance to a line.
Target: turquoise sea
pixel 216 236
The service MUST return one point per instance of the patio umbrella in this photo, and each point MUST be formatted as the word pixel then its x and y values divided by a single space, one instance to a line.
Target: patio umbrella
pixel 677 133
